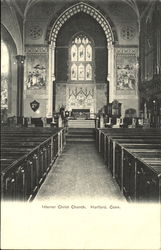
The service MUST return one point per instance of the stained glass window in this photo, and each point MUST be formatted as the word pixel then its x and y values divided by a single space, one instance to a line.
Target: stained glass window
pixel 81 59
pixel 81 55
pixel 88 72
pixel 74 53
pixel 4 75
pixel 74 72
pixel 81 72
pixel 88 53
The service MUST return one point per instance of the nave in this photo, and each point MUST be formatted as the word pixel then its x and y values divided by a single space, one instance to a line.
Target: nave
pixel 79 172
pixel 81 162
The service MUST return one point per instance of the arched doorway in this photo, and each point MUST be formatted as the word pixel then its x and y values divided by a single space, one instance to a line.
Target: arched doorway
pixel 85 18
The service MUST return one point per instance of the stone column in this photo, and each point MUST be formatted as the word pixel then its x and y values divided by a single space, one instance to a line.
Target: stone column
pixel 111 71
pixel 51 79
pixel 107 89
pixel 20 83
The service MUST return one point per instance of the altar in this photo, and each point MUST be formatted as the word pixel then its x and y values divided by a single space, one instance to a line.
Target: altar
pixel 80 113
pixel 81 100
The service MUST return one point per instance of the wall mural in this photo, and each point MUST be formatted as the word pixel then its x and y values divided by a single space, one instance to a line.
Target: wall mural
pixel 126 69
pixel 36 74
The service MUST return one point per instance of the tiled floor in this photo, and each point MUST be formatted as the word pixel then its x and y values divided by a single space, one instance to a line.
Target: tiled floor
pixel 79 173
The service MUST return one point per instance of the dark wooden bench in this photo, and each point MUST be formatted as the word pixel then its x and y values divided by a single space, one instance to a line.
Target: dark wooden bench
pixel 26 157
pixel 119 157
pixel 103 134
pixel 110 149
pixel 142 175
pixel 144 145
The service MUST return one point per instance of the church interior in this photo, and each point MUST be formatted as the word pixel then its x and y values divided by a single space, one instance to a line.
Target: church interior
pixel 81 100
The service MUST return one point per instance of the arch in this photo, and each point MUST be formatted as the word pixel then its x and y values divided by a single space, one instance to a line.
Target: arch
pixel 11 24
pixel 55 26
pixel 6 36
pixel 52 34
pixel 82 33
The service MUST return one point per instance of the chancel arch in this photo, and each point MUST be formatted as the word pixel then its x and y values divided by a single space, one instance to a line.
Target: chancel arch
pixel 85 18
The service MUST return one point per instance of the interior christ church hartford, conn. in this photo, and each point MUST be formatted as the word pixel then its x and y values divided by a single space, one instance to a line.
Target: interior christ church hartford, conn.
pixel 81 100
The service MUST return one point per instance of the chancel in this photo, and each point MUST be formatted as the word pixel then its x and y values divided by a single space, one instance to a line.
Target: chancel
pixel 81 80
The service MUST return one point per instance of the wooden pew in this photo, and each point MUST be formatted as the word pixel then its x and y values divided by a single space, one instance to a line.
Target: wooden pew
pixel 141 175
pixel 119 157
pixel 27 155
pixel 34 165
pixel 111 147
pixel 102 133
pixel 106 137
pixel 107 145
pixel 113 143
pixel 150 188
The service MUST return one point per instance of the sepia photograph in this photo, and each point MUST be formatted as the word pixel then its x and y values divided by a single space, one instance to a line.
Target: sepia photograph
pixel 81 124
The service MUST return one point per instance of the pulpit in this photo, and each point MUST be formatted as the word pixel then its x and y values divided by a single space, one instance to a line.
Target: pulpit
pixel 114 109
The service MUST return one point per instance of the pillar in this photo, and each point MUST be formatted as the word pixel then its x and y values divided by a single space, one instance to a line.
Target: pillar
pixel 111 71
pixel 20 83
pixel 53 78
pixel 107 92
pixel 51 82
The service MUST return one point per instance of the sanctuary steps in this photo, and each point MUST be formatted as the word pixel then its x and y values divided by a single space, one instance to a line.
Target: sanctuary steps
pixel 80 123
pixel 79 135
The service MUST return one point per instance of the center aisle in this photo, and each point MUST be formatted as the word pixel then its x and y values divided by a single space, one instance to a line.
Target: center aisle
pixel 79 173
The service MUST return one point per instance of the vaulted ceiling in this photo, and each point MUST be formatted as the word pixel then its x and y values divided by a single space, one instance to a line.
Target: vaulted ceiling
pixel 16 13
pixel 23 6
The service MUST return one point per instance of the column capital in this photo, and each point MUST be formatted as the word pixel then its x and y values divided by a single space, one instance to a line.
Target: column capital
pixel 52 45
pixel 20 58
pixel 110 46
pixel 108 79
pixel 53 78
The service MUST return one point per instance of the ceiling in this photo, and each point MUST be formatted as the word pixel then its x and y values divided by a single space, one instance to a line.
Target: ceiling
pixel 23 6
